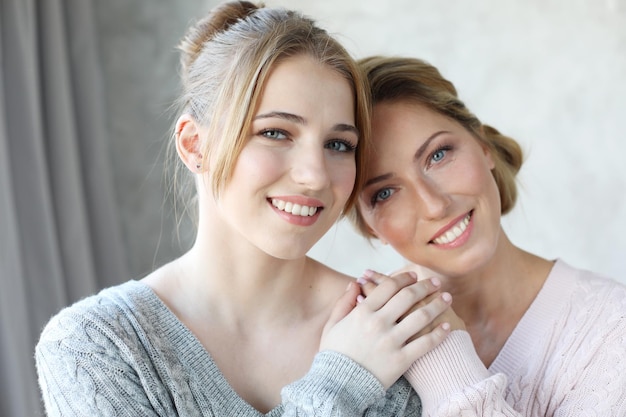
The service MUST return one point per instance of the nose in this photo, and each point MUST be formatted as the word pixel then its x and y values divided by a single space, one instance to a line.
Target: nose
pixel 433 201
pixel 309 168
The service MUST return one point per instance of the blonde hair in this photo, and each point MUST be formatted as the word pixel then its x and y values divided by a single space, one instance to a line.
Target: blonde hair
pixel 225 60
pixel 397 79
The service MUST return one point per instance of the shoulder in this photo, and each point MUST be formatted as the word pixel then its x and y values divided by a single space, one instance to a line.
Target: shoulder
pixel 589 308
pixel 329 280
pixel 98 356
pixel 592 289
pixel 99 319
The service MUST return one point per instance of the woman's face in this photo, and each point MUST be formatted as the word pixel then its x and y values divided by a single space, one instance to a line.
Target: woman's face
pixel 297 170
pixel 429 190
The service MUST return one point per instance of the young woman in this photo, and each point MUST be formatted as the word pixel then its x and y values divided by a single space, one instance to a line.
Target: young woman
pixel 273 129
pixel 538 337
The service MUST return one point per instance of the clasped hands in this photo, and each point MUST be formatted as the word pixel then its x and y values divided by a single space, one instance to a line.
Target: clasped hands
pixel 387 323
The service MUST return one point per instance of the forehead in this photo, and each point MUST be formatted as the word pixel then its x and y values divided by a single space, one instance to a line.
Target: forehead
pixel 302 85
pixel 400 121
pixel 405 113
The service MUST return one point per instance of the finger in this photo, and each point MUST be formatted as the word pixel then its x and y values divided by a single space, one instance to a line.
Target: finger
pixel 367 286
pixel 371 279
pixel 385 291
pixel 344 305
pixel 424 344
pixel 407 299
pixel 422 317
pixel 378 278
pixel 430 297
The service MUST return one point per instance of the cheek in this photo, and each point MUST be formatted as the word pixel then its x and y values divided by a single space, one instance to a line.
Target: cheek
pixel 394 223
pixel 476 179
pixel 343 176
pixel 394 231
pixel 258 165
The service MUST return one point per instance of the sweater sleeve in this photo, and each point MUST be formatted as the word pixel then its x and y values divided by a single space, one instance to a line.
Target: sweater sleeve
pixel 451 380
pixel 82 371
pixel 334 386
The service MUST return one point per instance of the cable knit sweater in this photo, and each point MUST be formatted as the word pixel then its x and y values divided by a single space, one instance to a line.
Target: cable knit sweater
pixel 565 358
pixel 124 353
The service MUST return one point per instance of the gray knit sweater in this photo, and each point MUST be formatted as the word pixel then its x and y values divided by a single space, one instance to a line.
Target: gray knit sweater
pixel 123 353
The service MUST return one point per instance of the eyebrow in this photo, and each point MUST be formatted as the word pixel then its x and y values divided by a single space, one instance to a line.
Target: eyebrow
pixel 294 118
pixel 422 149
pixel 420 152
pixel 282 115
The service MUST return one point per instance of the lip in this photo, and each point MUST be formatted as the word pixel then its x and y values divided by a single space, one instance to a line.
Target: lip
pixel 461 239
pixel 301 200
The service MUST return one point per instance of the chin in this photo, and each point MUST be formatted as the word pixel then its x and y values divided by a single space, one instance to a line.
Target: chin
pixel 454 263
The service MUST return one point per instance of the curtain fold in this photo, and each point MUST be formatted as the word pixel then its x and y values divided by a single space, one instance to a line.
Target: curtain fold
pixel 60 237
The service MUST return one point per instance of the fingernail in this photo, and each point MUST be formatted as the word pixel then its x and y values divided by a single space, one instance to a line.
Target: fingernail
pixel 446 297
pixel 413 275
pixel 435 281
pixel 445 326
pixel 368 273
pixel 362 280
pixel 359 298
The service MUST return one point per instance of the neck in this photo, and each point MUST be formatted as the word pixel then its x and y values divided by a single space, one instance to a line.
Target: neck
pixel 244 284
pixel 492 299
pixel 505 286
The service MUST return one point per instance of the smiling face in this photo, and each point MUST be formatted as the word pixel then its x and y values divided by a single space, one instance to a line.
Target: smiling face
pixel 297 170
pixel 429 189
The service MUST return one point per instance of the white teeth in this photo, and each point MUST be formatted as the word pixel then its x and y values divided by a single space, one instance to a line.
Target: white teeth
pixel 295 209
pixel 453 233
pixel 279 204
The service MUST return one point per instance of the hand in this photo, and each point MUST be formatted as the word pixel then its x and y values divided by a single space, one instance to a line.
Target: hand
pixel 379 332
pixel 372 279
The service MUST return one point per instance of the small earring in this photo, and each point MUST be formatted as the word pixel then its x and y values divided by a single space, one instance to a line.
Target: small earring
pixel 198 165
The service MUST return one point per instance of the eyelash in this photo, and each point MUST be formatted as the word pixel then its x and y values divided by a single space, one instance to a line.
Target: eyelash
pixel 374 200
pixel 264 133
pixel 349 146
pixel 441 149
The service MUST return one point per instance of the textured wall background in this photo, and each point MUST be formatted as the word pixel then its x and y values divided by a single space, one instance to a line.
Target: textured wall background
pixel 551 74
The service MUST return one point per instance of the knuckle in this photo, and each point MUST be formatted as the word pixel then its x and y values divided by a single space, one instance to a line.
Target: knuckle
pixel 407 294
pixel 423 315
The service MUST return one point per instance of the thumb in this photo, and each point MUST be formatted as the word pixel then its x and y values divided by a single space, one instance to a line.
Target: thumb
pixel 344 305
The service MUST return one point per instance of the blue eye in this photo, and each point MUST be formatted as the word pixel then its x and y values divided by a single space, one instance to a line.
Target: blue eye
pixel 382 195
pixel 275 134
pixel 438 155
pixel 340 146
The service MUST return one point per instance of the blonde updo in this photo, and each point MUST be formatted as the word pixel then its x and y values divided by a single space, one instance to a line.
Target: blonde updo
pixel 395 79
pixel 225 60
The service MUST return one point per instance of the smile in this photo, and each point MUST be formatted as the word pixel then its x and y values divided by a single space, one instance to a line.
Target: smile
pixel 294 209
pixel 454 232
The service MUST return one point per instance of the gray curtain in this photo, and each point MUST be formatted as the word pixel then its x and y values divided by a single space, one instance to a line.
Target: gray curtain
pixel 59 232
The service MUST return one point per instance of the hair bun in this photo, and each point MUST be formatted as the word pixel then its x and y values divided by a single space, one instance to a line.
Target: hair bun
pixel 218 20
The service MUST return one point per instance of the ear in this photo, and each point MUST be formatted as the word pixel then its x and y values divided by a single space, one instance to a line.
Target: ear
pixel 188 143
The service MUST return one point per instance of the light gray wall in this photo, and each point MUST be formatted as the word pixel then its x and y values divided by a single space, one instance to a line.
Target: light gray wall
pixel 140 65
pixel 552 74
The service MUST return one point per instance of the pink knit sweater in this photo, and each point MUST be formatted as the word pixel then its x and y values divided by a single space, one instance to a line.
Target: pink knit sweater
pixel 566 357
